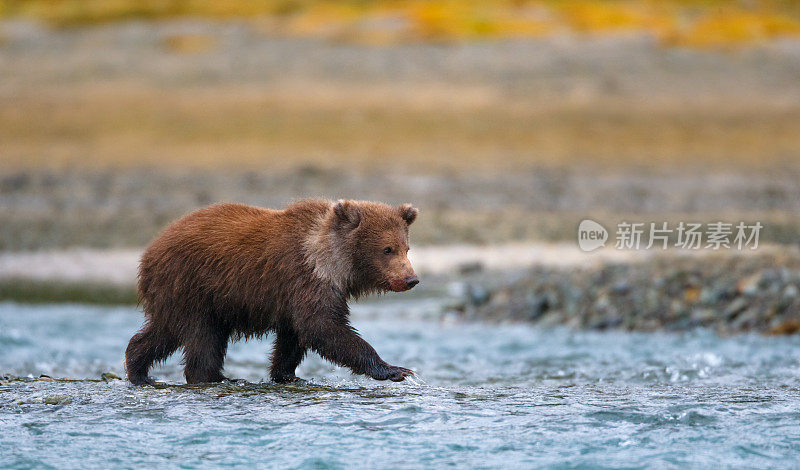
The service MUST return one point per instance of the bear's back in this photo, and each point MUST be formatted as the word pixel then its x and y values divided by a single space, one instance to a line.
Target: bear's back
pixel 228 250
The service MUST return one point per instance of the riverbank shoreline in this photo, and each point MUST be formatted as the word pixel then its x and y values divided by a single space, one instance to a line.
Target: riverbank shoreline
pixel 729 293
pixel 549 285
pixel 109 276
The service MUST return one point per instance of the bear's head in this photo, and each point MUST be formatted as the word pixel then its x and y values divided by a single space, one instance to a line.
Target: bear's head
pixel 364 247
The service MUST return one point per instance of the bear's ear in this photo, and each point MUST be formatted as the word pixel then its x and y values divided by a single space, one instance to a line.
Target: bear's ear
pixel 347 213
pixel 408 213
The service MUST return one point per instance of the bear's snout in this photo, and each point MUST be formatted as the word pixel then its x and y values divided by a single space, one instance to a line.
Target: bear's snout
pixel 404 284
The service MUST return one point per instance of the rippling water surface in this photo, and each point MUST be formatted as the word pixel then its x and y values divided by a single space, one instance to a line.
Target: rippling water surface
pixel 489 396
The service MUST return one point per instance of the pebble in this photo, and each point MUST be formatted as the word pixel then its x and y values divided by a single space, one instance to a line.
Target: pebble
pixel 727 293
pixel 56 400
pixel 790 292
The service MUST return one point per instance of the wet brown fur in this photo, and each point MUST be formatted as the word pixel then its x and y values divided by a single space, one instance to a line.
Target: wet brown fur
pixel 233 271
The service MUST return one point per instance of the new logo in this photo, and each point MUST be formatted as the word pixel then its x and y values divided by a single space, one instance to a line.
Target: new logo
pixel 591 235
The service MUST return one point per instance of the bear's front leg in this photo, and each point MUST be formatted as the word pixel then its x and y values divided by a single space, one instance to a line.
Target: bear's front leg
pixel 286 356
pixel 331 335
pixel 343 345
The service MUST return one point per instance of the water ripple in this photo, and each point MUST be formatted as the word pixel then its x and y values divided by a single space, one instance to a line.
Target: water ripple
pixel 493 397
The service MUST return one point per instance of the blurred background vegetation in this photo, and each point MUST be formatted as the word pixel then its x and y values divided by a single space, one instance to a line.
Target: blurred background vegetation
pixel 676 22
pixel 504 120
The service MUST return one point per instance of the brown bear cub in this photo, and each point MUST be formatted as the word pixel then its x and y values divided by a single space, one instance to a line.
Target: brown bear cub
pixel 236 271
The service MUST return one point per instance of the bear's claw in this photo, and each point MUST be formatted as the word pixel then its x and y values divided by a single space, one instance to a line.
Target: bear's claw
pixel 286 379
pixel 142 381
pixel 393 373
pixel 401 374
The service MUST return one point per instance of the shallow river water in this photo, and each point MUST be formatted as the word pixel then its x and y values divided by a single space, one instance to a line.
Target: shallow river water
pixel 507 396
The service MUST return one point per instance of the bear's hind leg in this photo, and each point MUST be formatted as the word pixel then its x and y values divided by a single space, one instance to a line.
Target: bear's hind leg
pixel 145 348
pixel 204 355
pixel 286 356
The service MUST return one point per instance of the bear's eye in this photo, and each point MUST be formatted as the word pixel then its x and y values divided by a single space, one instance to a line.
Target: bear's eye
pixel 388 250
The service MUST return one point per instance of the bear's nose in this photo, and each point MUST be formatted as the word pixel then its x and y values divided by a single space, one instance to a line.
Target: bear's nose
pixel 412 281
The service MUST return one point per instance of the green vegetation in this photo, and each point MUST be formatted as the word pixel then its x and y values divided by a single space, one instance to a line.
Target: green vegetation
pixel 33 291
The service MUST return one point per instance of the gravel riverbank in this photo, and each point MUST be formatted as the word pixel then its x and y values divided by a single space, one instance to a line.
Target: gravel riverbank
pixel 729 294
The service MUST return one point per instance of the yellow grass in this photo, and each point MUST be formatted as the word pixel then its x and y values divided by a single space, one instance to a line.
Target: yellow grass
pixel 696 23
pixel 463 129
